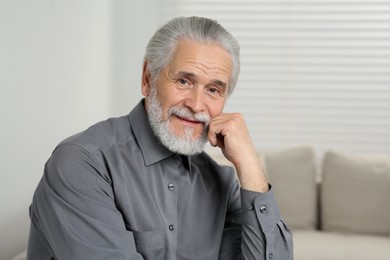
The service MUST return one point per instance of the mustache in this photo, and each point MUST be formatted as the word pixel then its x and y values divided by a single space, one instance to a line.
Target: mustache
pixel 186 113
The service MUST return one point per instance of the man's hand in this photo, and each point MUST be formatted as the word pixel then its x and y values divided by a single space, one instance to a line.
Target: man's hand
pixel 229 132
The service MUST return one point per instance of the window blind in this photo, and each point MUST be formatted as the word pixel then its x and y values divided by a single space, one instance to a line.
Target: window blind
pixel 313 72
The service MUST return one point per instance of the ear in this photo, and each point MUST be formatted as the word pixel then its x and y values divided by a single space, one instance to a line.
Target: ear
pixel 146 80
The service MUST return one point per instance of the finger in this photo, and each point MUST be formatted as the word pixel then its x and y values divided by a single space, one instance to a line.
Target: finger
pixel 212 137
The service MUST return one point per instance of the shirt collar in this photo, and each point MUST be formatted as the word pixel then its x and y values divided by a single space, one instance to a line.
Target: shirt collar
pixel 152 149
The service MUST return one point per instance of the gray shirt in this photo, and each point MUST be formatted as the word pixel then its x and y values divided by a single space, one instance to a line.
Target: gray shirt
pixel 114 192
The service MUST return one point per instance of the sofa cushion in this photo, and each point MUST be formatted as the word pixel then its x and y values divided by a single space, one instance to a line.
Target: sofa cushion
pixel 292 173
pixel 320 245
pixel 356 193
pixel 21 256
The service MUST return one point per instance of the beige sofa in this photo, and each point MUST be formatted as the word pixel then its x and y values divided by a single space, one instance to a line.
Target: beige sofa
pixel 337 207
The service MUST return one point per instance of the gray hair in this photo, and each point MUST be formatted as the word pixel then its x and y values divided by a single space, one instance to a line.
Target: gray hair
pixel 162 45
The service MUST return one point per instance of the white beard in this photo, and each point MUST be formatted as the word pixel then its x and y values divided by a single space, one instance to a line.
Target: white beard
pixel 186 144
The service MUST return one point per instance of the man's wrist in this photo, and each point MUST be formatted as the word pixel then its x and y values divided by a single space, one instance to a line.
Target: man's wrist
pixel 252 176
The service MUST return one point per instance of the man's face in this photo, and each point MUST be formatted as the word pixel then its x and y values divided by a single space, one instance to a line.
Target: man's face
pixel 191 89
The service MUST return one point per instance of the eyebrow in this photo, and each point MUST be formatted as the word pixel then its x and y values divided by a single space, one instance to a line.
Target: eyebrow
pixel 192 76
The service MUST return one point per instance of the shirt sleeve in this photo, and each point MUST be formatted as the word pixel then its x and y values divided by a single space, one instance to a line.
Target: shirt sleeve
pixel 73 213
pixel 254 228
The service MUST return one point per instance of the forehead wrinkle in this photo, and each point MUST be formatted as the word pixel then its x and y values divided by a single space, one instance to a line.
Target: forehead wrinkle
pixel 207 70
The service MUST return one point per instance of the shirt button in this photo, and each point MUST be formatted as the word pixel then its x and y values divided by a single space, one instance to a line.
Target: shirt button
pixel 171 187
pixel 263 209
pixel 171 227
pixel 270 255
pixel 249 207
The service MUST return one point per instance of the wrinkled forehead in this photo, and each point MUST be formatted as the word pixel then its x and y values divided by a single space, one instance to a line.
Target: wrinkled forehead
pixel 202 59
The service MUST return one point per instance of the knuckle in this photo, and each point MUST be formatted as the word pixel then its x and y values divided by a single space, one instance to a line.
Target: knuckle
pixel 238 117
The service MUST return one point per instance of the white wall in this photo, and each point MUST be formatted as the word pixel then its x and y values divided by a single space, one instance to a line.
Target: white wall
pixel 64 65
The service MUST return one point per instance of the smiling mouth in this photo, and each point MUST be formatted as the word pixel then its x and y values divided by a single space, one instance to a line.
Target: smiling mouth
pixel 189 120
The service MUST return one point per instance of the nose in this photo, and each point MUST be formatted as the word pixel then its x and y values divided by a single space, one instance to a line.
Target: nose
pixel 195 100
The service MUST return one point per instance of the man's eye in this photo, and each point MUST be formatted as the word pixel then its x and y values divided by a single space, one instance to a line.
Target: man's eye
pixel 214 90
pixel 183 81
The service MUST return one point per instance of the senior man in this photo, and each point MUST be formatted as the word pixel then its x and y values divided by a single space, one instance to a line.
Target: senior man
pixel 141 187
